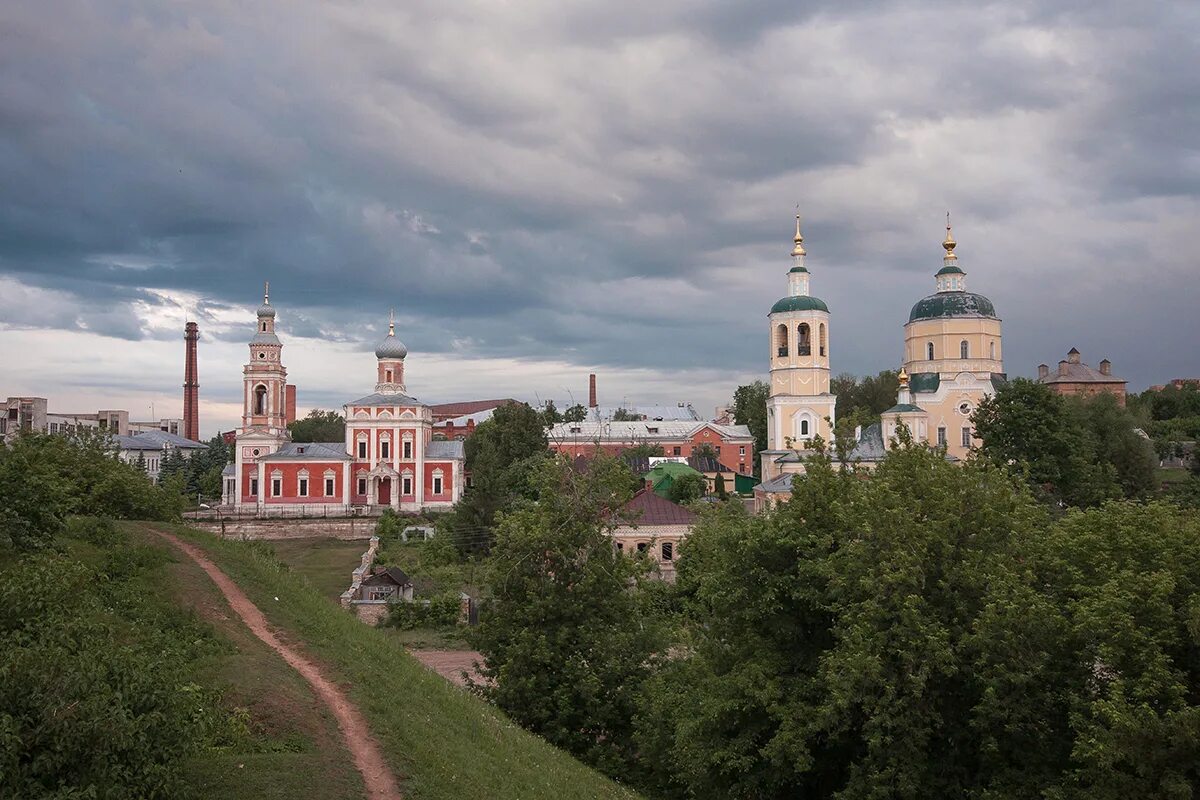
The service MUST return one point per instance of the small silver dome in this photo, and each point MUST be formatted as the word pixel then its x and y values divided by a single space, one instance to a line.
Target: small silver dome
pixel 266 310
pixel 391 347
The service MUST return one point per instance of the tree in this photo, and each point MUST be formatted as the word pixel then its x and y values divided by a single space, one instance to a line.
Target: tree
pixel 643 450
pixel 576 413
pixel 34 497
pixel 863 400
pixel 1114 441
pixel 550 413
pixel 1027 428
pixel 565 647
pixel 750 409
pixel 319 426
pixel 623 415
pixel 721 491
pixel 705 450
pixel 686 488
pixel 499 455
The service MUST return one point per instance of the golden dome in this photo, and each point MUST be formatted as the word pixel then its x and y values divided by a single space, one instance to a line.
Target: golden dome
pixel 949 242
pixel 798 250
pixel 903 378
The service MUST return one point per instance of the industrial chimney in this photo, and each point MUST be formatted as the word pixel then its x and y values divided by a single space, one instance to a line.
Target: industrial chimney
pixel 191 384
pixel 592 391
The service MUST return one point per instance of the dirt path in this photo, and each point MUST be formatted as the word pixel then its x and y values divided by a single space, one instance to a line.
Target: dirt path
pixel 378 779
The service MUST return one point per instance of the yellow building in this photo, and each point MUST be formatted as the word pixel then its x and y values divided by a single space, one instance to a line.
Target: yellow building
pixel 799 405
pixel 952 360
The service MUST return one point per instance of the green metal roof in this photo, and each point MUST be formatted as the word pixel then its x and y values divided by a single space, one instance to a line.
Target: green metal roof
pixel 946 305
pixel 798 268
pixel 801 302
pixel 924 382
pixel 903 408
pixel 951 269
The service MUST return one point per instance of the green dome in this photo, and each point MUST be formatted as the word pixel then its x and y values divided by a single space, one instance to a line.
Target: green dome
pixel 952 304
pixel 951 269
pixel 798 268
pixel 800 302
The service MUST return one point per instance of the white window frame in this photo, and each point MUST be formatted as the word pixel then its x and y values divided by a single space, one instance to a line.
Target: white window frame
pixel 330 486
pixel 966 437
pixel 941 435
pixel 438 483
pixel 362 486
pixel 362 447
pixel 407 448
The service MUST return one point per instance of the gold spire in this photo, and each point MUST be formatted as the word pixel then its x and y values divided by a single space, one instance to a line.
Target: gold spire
pixel 392 322
pixel 798 250
pixel 903 377
pixel 949 243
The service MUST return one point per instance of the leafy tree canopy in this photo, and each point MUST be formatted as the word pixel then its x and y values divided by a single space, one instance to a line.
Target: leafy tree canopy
pixel 576 413
pixel 319 426
pixel 750 409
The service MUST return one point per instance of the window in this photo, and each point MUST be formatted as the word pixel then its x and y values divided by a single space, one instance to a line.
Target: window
pixel 822 340
pixel 260 399
pixel 388 375
pixel 620 547
pixel 929 351
pixel 276 487
pixel 804 427
pixel 676 451
pixel 964 349
pixel 385 448
pixel 254 486
pixel 718 449
pixel 303 490
pixel 407 449
pixel 668 551
pixel 992 350
pixel 406 484
pixel 742 450
pixel 264 327
pixel 803 345
pixel 942 435
pixel 966 437
pixel 437 484
pixel 329 487
pixel 641 547
pixel 362 485
pixel 781 345
pixel 362 448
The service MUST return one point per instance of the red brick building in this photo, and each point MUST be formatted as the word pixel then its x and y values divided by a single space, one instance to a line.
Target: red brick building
pixel 388 458
pixel 1077 379
pixel 732 445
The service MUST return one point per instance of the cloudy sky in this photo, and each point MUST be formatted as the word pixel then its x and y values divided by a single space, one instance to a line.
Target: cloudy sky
pixel 546 189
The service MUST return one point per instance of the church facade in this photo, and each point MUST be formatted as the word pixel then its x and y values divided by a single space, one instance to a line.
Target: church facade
pixel 952 359
pixel 388 459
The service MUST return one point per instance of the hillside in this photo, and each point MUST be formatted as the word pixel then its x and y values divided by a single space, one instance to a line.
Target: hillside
pixel 440 741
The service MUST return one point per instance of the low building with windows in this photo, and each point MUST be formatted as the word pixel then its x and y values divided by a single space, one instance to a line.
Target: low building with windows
pixel 731 445
pixel 653 525
pixel 150 448
pixel 1074 378
pixel 389 458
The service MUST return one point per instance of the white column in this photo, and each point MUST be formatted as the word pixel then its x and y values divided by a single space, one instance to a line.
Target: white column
pixel 346 478
pixel 262 483
pixel 419 452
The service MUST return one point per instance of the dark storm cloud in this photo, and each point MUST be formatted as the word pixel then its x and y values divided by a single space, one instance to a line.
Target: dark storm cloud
pixel 577 182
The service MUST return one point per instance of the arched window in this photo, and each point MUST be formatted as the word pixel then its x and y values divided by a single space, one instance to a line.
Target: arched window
pixel 992 350
pixel 964 349
pixel 260 400
pixel 781 345
pixel 822 340
pixel 929 351
pixel 803 344
pixel 264 327
pixel 388 378
pixel 804 427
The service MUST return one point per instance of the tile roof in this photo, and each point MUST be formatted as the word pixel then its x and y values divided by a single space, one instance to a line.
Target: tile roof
pixel 647 508
pixel 706 464
pixel 462 420
pixel 309 451
pixel 1078 372
pixel 644 430
pixel 387 575
pixel 870 446
pixel 777 485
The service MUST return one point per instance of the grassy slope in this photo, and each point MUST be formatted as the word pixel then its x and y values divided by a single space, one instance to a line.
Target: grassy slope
pixel 326 563
pixel 301 747
pixel 444 743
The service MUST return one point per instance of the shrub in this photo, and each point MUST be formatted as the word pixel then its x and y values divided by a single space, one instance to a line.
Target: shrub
pixel 440 611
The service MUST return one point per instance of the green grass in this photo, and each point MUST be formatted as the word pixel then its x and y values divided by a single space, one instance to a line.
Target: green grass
pixel 441 741
pixel 325 563
pixel 1171 475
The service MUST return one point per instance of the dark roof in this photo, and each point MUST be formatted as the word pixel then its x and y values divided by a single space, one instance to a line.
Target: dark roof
pixel 467 407
pixel 1078 372
pixel 924 382
pixel 800 302
pixel 156 440
pixel 387 575
pixel 647 508
pixel 309 451
pixel 778 484
pixel 448 449
pixel 870 445
pixel 798 268
pixel 951 269
pixel 706 464
pixel 903 408
pixel 386 399
pixel 952 304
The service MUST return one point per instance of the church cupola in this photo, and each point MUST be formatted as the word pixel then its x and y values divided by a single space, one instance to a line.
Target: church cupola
pixel 391 353
pixel 950 278
pixel 264 376
pixel 798 274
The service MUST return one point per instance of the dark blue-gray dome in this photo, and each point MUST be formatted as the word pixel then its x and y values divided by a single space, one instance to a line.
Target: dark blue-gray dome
pixel 266 310
pixel 945 305
pixel 391 347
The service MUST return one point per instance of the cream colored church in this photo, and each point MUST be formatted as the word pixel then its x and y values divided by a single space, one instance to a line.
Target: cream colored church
pixel 952 360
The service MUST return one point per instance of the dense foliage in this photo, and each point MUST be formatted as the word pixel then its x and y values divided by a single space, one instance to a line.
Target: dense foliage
pixel 500 455
pixel 45 478
pixel 98 697
pixel 199 474
pixel 750 409
pixel 686 488
pixel 319 426
pixel 1077 452
pixel 1170 415
pixel 565 644
pixel 860 401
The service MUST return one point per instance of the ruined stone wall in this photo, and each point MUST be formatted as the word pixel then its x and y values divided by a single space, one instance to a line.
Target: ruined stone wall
pixel 272 529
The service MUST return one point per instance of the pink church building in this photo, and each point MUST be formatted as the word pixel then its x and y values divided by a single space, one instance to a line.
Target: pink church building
pixel 388 459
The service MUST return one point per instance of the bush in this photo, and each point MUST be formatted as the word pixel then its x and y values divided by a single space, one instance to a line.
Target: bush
pixel 100 531
pixel 441 611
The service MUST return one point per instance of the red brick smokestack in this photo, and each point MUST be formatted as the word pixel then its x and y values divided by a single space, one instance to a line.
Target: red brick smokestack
pixel 289 404
pixel 592 391
pixel 191 384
